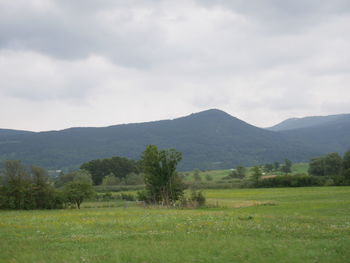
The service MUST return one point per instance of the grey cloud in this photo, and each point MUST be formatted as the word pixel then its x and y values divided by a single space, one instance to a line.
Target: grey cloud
pixel 75 31
pixel 249 58
pixel 285 17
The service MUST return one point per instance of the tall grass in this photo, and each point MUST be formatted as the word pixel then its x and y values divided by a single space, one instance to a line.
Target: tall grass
pixel 249 225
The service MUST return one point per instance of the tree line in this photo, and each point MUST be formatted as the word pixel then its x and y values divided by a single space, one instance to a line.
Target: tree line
pixel 30 188
pixel 331 165
pixel 115 167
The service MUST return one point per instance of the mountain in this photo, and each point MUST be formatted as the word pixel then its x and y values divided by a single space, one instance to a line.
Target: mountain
pixel 210 139
pixel 311 122
pixel 324 134
pixel 5 132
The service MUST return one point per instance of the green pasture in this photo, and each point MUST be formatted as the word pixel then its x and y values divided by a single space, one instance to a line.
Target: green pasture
pixel 240 225
pixel 297 168
pixel 215 174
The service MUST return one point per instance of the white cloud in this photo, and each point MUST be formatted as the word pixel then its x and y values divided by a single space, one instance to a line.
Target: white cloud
pixel 94 63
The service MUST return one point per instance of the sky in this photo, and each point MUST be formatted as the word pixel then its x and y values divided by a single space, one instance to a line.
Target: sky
pixel 67 63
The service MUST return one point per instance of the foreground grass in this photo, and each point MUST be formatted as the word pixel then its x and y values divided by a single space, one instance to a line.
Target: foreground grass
pixel 255 225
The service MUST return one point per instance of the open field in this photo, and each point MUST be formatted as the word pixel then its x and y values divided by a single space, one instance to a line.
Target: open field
pixel 251 225
pixel 216 175
pixel 300 168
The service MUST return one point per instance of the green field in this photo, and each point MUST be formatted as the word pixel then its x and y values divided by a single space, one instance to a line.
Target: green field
pixel 250 225
pixel 297 168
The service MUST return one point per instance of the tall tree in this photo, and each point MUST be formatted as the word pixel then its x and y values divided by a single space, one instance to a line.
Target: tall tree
pixel 40 187
pixel 27 190
pixel 256 174
pixel 328 165
pixel 163 185
pixel 17 183
pixel 119 166
pixel 346 165
pixel 316 166
pixel 80 188
pixel 332 164
pixel 287 167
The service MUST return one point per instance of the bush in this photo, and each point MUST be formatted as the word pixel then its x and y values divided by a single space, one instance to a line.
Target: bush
pixel 111 179
pixel 197 199
pixel 143 196
pixel 208 177
pixel 341 180
pixel 134 179
pixel 107 196
pixel 25 188
pixel 298 180
pixel 117 188
pixel 127 197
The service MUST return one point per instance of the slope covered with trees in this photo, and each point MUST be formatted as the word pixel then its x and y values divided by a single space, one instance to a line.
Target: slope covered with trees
pixel 208 140
pixel 311 122
pixel 323 134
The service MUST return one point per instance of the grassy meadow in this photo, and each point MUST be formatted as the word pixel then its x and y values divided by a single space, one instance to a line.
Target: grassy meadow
pixel 310 224
pixel 217 175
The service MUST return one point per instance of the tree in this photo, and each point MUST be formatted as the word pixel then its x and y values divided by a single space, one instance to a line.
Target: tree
pixel 287 167
pixel 111 179
pixel 16 184
pixel 27 189
pixel 163 185
pixel 276 166
pixel 208 177
pixel 256 173
pixel 316 166
pixel 41 190
pixel 332 164
pixel 346 165
pixel 79 189
pixel 134 179
pixel 268 167
pixel 241 171
pixel 119 166
pixel 196 176
pixel 328 165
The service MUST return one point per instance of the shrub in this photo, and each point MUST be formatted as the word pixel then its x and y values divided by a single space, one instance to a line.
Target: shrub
pixel 134 179
pixel 298 180
pixel 127 197
pixel 197 199
pixel 208 177
pixel 111 179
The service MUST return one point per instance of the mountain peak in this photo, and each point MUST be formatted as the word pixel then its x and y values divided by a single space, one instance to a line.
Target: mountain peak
pixel 211 113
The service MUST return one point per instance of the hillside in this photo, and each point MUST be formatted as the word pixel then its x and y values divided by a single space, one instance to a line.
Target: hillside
pixel 323 134
pixel 311 122
pixel 208 140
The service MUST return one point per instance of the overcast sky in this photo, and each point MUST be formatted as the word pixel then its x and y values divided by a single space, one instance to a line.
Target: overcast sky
pixel 75 63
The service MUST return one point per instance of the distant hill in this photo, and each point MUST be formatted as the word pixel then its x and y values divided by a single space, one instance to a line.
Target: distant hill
pixel 5 132
pixel 311 122
pixel 323 134
pixel 210 139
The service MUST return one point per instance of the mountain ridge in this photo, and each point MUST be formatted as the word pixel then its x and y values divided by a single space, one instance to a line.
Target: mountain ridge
pixel 309 121
pixel 210 139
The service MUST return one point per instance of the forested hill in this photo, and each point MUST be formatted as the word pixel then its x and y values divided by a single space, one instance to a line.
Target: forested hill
pixel 311 122
pixel 5 132
pixel 210 139
pixel 324 134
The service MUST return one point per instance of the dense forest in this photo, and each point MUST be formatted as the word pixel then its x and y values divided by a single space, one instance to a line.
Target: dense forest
pixel 208 140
